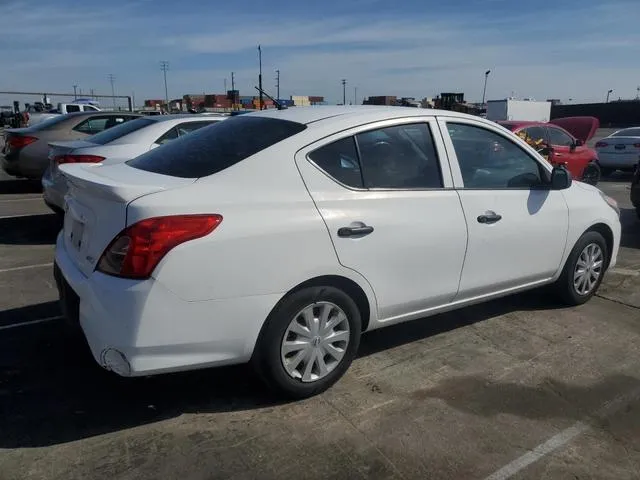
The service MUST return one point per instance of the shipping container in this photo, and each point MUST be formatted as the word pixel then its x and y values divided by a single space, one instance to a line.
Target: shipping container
pixel 526 110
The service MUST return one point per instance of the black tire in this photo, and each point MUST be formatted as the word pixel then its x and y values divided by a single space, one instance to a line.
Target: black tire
pixel 591 173
pixel 638 211
pixel 605 172
pixel 564 286
pixel 266 359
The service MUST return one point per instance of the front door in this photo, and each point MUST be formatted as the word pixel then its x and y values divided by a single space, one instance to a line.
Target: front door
pixel 566 152
pixel 385 194
pixel 517 227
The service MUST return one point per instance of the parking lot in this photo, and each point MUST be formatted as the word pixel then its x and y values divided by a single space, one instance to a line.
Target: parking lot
pixel 515 388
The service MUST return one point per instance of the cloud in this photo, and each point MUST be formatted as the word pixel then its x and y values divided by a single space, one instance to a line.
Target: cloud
pixel 572 49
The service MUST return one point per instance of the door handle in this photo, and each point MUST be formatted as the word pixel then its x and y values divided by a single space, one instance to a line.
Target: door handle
pixel 489 218
pixel 354 231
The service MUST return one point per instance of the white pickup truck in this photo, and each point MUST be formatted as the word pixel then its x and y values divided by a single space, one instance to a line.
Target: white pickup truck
pixel 38 115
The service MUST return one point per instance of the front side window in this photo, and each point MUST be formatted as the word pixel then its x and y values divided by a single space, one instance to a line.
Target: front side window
pixel 490 161
pixel 560 138
pixel 401 156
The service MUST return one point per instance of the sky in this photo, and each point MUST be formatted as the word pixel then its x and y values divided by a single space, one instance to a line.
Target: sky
pixel 565 49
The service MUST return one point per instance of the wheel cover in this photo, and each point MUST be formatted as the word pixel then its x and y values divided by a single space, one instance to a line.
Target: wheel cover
pixel 588 269
pixel 315 341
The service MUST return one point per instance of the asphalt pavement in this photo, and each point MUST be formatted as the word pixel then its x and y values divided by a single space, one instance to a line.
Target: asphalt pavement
pixel 516 388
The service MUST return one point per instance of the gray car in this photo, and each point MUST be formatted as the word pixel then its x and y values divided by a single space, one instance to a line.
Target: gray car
pixel 25 153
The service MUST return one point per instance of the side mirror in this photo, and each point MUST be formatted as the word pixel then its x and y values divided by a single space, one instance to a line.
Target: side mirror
pixel 579 142
pixel 560 178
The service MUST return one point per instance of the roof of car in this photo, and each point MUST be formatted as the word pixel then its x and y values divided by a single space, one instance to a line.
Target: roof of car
pixel 513 124
pixel 307 115
pixel 180 116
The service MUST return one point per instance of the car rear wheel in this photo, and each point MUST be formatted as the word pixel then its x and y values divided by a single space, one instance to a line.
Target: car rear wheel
pixel 591 174
pixel 584 270
pixel 308 341
pixel 638 211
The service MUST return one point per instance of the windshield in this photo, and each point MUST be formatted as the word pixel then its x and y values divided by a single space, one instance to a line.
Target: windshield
pixel 118 131
pixel 212 149
pixel 628 132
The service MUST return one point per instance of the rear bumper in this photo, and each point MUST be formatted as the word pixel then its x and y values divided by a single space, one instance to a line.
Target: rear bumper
pixel 53 191
pixel 618 160
pixel 138 327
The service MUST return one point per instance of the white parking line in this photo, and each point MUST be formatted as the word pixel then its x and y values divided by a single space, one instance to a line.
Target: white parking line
pixel 32 322
pixel 26 267
pixel 564 437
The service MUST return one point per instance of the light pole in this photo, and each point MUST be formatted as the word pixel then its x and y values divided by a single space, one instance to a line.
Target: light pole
pixel 112 79
pixel 609 92
pixel 164 66
pixel 355 95
pixel 260 74
pixel 75 97
pixel 277 84
pixel 344 91
pixel 484 90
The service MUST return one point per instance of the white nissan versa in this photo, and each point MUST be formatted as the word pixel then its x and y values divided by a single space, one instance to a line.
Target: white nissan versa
pixel 278 237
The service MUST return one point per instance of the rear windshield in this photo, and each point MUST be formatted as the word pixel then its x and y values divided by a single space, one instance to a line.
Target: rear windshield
pixel 113 133
pixel 46 124
pixel 628 132
pixel 212 149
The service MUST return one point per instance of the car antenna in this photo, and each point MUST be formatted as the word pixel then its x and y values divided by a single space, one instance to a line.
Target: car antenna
pixel 278 105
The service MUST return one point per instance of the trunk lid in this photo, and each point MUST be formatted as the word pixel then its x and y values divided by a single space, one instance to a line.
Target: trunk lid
pixel 622 145
pixel 582 128
pixel 96 205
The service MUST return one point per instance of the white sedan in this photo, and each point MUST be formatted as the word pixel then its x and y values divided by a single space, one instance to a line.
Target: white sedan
pixel 278 237
pixel 619 151
pixel 117 145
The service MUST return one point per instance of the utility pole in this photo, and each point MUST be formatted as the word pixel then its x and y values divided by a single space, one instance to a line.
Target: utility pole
pixel 112 79
pixel 92 98
pixel 225 85
pixel 277 84
pixel 164 66
pixel 133 99
pixel 75 97
pixel 233 91
pixel 260 74
pixel 355 95
pixel 344 91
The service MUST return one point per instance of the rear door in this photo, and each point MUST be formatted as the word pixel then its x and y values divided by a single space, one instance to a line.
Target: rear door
pixel 385 193
pixel 517 227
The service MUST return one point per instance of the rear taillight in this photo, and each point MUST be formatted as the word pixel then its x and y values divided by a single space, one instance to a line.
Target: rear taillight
pixel 637 145
pixel 62 159
pixel 19 141
pixel 601 144
pixel 137 250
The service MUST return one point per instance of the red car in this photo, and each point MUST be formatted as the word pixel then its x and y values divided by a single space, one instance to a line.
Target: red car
pixel 565 139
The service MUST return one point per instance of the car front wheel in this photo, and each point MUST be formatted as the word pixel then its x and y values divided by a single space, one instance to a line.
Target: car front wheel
pixel 308 341
pixel 584 270
pixel 591 174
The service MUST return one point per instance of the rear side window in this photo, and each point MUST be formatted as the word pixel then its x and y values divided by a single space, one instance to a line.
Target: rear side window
pixel 628 132
pixel 399 157
pixel 73 108
pixel 120 130
pixel 212 149
pixel 558 137
pixel 340 161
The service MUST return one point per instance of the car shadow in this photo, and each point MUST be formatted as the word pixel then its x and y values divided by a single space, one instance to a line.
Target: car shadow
pixel 52 391
pixel 18 186
pixel 630 228
pixel 30 230
pixel 617 176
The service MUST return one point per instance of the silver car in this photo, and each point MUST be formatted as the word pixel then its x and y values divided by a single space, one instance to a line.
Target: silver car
pixel 26 149
pixel 116 145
